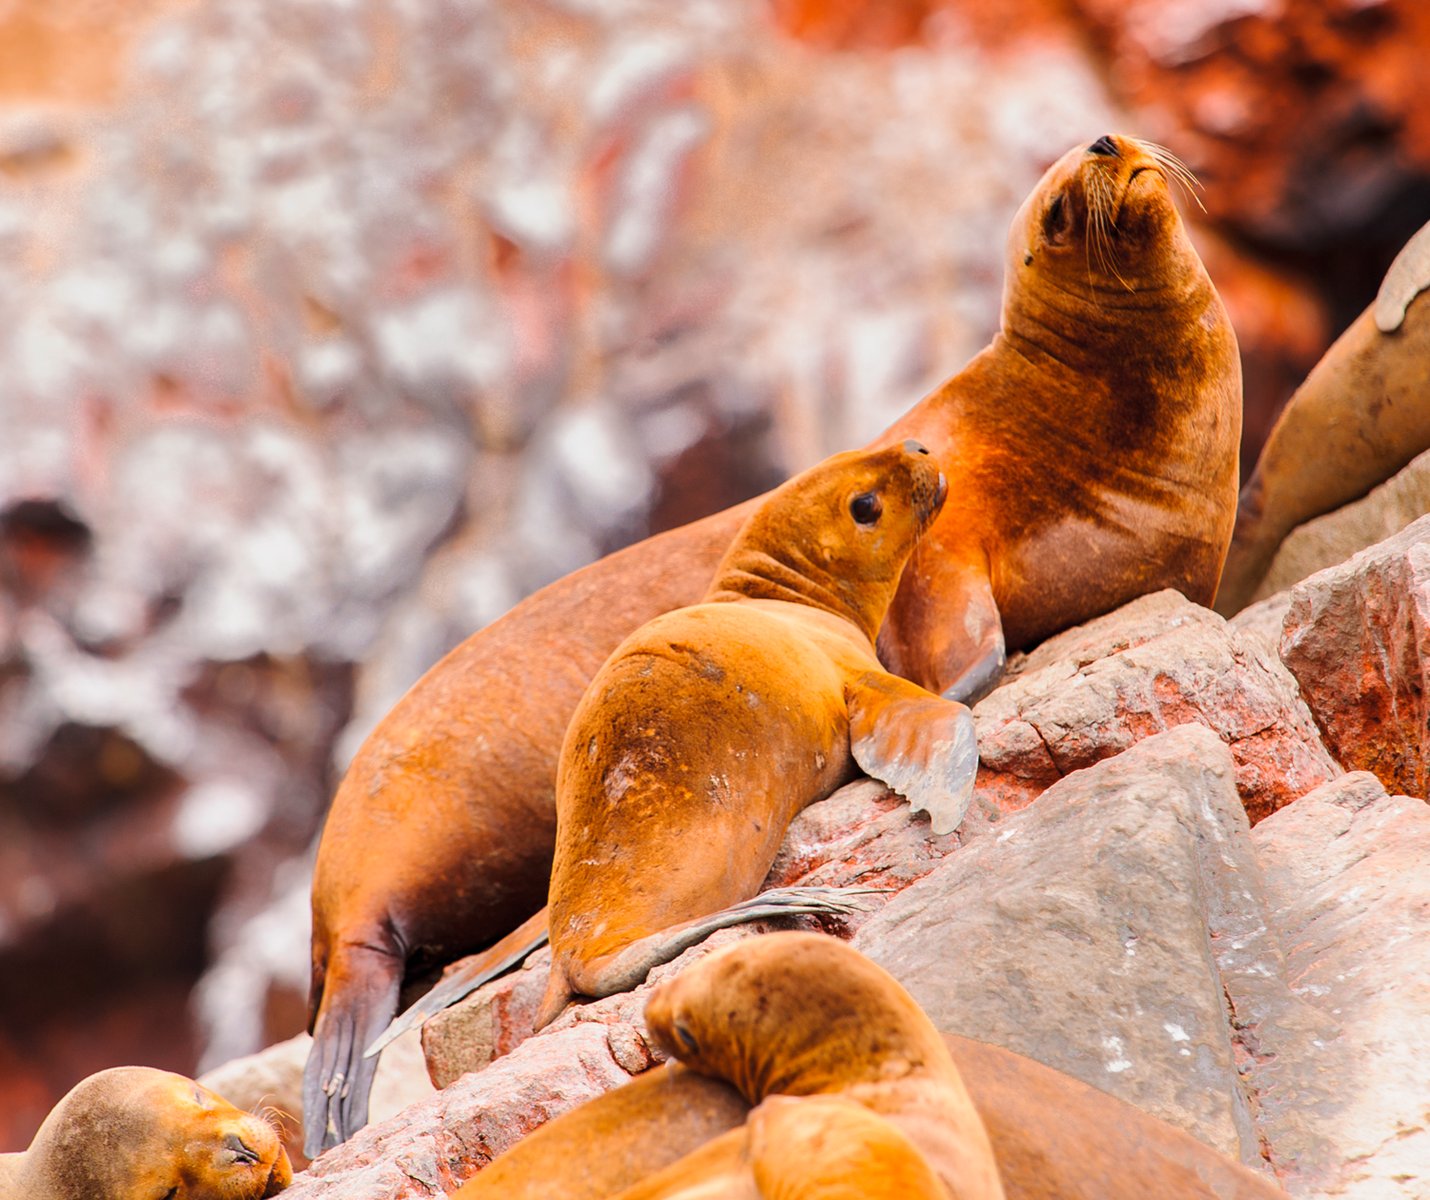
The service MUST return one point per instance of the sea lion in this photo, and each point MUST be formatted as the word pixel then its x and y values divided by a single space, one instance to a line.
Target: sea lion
pixel 1097 436
pixel 1095 441
pixel 811 1148
pixel 1053 1137
pixel 712 726
pixel 134 1133
pixel 1361 415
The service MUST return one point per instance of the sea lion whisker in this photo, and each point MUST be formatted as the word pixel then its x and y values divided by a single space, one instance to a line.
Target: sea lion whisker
pixel 1102 200
pixel 1179 172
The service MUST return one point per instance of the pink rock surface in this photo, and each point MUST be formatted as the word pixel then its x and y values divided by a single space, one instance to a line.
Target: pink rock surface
pixel 1357 639
pixel 1156 663
pixel 432 1146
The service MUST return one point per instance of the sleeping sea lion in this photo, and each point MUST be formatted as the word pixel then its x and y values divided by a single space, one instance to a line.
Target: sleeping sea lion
pixel 134 1133
pixel 1053 1136
pixel 812 1148
pixel 1362 414
pixel 1097 439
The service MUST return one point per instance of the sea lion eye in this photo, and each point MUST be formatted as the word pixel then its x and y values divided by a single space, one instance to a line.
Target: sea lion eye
pixel 1057 220
pixel 170 1194
pixel 686 1038
pixel 866 508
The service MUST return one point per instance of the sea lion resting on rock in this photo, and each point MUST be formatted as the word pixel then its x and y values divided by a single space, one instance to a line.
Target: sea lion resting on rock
pixel 1052 1136
pixel 712 726
pixel 1362 414
pixel 134 1133
pixel 1094 445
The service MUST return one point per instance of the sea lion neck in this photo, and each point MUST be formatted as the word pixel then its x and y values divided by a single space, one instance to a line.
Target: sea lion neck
pixel 752 572
pixel 1064 327
pixel 836 538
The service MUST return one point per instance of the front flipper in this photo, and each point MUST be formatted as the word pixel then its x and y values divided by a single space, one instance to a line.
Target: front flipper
pixel 944 630
pixel 921 745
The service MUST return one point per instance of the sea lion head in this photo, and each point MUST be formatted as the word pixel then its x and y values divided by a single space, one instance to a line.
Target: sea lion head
pixel 144 1134
pixel 1101 223
pixel 837 537
pixel 793 1014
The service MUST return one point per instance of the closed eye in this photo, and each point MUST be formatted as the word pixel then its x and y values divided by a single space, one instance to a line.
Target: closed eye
pixel 686 1038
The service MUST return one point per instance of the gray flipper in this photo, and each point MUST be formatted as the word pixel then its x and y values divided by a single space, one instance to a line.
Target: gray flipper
pixel 921 745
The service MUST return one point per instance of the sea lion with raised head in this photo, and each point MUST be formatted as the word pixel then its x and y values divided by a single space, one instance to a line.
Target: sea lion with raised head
pixel 712 726
pixel 1362 414
pixel 135 1133
pixel 1097 437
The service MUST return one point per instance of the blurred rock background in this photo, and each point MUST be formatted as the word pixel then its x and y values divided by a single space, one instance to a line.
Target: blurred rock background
pixel 330 328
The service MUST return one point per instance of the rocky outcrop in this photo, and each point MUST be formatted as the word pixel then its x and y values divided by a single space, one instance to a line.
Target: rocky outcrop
pixel 1357 638
pixel 1259 988
pixel 1084 933
pixel 1329 540
pixel 1341 1102
pixel 1156 663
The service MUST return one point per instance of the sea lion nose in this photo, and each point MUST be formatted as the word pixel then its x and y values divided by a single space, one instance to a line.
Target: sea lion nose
pixel 913 447
pixel 1105 145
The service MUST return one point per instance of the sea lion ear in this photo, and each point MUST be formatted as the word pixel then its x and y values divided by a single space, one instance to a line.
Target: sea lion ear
pixel 1057 220
pixel 921 745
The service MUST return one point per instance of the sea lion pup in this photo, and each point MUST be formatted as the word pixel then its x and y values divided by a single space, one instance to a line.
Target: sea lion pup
pixel 1053 1136
pixel 134 1133
pixel 1361 415
pixel 803 1014
pixel 1097 435
pixel 711 727
pixel 812 1148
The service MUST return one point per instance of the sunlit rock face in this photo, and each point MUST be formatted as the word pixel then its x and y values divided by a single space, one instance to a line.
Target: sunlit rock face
pixel 328 331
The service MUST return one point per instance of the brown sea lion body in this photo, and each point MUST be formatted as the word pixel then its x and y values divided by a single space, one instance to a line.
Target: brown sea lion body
pixel 1361 415
pixel 811 1148
pixel 1097 436
pixel 712 726
pixel 134 1133
pixel 1094 442
pixel 1053 1137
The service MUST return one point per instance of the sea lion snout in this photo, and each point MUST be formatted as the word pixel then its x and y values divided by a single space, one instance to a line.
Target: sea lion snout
pixel 914 447
pixel 1105 145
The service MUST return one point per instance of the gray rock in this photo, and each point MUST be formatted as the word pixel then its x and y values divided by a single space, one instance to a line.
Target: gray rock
pixel 1083 933
pixel 1333 538
pixel 1346 1113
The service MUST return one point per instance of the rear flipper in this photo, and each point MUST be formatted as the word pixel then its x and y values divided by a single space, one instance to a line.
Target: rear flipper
pixel 921 745
pixel 498 959
pixel 624 969
pixel 359 998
